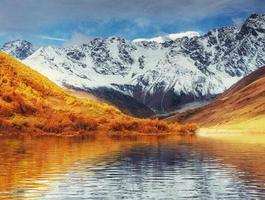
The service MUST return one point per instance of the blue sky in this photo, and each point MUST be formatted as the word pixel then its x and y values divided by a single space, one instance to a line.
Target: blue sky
pixel 65 22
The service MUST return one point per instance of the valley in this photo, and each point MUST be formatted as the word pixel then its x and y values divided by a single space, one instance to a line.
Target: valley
pixel 30 104
pixel 153 77
pixel 132 100
pixel 180 77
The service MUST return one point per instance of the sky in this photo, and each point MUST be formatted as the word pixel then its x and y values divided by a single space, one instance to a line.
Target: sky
pixel 68 22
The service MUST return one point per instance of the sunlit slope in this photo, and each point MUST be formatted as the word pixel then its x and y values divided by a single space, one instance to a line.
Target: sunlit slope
pixel 240 107
pixel 32 104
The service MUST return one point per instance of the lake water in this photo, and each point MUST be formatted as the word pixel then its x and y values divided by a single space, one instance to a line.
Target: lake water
pixel 219 166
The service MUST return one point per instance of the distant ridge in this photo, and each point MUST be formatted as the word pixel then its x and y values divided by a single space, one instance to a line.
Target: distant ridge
pixel 169 37
pixel 19 49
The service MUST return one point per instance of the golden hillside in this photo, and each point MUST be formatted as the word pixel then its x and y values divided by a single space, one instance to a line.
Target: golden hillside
pixel 240 107
pixel 31 104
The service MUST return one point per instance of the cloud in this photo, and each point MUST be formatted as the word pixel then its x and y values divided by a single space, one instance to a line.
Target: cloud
pixel 44 37
pixel 238 21
pixel 77 39
pixel 31 15
pixel 142 22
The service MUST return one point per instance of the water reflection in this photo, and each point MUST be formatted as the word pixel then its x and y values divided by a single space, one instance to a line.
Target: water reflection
pixel 143 168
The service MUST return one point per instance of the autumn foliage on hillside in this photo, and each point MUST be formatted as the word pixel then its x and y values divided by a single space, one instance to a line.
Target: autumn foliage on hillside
pixel 32 104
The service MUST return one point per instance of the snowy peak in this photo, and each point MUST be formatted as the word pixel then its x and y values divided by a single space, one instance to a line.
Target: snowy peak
pixel 169 37
pixel 19 49
pixel 254 25
pixel 162 76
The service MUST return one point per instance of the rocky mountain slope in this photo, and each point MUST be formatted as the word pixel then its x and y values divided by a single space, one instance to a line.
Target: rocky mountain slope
pixel 32 104
pixel 19 49
pixel 162 76
pixel 22 49
pixel 241 107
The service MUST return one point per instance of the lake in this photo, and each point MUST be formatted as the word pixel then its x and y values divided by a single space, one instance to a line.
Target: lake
pixel 214 166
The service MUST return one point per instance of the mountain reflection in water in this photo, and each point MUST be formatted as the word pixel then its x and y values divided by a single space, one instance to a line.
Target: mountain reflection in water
pixel 223 167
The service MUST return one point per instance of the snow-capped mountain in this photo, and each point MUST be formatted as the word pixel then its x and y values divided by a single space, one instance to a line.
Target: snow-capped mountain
pixel 162 76
pixel 19 49
pixel 169 37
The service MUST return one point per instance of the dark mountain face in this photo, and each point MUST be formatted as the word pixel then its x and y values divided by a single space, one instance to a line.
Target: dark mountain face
pixel 125 103
pixel 161 76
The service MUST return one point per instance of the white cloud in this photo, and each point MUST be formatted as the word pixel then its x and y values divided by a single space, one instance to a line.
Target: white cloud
pixel 44 37
pixel 78 39
pixel 238 21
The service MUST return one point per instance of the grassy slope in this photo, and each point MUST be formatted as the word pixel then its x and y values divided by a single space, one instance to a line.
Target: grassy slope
pixel 240 107
pixel 32 104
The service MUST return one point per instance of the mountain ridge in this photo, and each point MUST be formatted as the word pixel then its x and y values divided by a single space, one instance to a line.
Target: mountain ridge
pixel 163 76
pixel 168 37
pixel 19 49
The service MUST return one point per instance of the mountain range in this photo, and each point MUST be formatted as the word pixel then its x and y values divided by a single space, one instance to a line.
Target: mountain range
pixel 158 77
pixel 31 104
